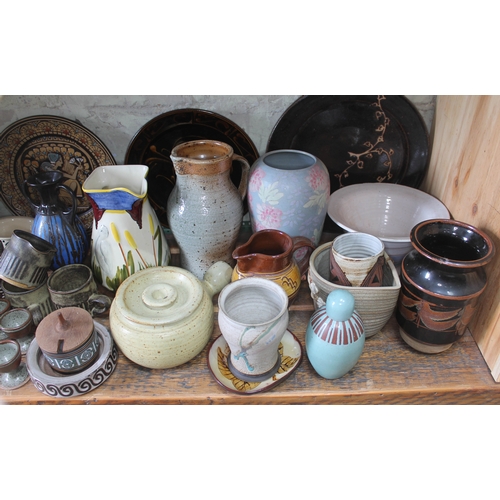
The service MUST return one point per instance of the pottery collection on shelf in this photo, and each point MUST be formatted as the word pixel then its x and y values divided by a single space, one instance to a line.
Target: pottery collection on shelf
pixel 162 316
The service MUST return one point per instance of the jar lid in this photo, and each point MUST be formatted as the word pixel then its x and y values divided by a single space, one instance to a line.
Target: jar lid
pixel 64 330
pixel 159 296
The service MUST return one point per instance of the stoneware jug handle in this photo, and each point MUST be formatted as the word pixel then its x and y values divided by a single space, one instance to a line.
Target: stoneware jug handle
pixel 217 277
pixel 303 260
pixel 71 211
pixel 99 303
pixel 245 168
pixel 36 312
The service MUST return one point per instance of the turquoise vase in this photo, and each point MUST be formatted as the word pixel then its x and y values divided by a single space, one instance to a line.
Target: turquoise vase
pixel 335 336
pixel 54 222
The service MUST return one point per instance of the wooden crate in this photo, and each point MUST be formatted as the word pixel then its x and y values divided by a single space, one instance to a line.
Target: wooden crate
pixel 464 174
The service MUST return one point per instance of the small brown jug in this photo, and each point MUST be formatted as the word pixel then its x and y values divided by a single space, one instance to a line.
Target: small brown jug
pixel 272 254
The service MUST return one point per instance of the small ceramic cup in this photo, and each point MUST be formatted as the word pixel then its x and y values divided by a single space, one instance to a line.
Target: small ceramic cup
pixel 26 260
pixel 357 259
pixel 73 285
pixel 37 300
pixel 13 372
pixel 18 324
pixel 253 317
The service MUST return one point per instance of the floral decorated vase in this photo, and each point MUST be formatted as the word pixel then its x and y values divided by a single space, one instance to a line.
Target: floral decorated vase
pixel 289 190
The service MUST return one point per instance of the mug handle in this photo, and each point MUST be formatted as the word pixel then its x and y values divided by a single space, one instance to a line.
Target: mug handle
pixel 245 169
pixel 36 313
pixel 98 303
pixel 303 260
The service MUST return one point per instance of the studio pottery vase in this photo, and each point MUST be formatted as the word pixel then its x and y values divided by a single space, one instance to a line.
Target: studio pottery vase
pixel 442 279
pixel 126 234
pixel 54 222
pixel 205 209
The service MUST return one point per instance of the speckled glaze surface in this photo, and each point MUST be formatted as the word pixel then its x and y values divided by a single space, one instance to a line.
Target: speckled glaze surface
pixel 13 371
pixel 164 317
pixel 253 317
pixel 126 233
pixel 270 254
pixel 335 336
pixel 205 209
pixel 289 190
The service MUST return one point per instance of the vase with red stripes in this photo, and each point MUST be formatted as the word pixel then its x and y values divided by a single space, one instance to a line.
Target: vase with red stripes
pixel 335 336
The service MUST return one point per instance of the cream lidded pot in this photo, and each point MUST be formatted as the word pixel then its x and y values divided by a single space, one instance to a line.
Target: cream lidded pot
pixel 162 317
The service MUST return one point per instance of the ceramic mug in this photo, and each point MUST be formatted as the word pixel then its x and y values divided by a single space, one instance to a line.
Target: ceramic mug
pixel 18 324
pixel 26 260
pixel 73 285
pixel 253 317
pixel 357 259
pixel 37 300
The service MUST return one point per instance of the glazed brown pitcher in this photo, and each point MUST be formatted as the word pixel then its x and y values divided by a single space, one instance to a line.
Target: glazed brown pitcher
pixel 274 255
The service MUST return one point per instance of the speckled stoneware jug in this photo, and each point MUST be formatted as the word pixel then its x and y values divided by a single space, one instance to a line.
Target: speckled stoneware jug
pixel 205 209
pixel 335 336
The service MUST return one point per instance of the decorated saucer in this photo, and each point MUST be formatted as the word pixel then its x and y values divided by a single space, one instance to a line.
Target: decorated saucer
pixel 291 355
pixel 59 385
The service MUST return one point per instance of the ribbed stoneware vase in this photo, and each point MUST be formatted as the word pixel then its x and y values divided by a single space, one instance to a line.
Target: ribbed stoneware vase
pixel 289 190
pixel 126 234
pixel 442 279
pixel 335 336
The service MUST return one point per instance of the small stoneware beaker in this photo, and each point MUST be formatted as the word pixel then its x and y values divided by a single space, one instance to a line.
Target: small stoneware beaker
pixel 13 371
pixel 18 324
pixel 272 254
pixel 26 260
pixel 36 300
pixel 74 286
pixel 357 259
pixel 253 318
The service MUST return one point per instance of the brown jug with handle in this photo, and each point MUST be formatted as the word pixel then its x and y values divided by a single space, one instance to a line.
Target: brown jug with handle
pixel 274 255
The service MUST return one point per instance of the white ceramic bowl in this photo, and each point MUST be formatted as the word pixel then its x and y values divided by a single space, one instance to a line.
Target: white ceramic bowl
pixel 387 211
pixel 8 224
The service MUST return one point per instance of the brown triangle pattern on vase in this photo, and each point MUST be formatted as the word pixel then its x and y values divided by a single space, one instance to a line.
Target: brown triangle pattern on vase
pixel 376 274
pixel 337 275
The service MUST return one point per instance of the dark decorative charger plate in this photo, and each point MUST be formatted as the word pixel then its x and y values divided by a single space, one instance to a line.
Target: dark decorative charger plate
pixel 360 138
pixel 40 143
pixel 153 143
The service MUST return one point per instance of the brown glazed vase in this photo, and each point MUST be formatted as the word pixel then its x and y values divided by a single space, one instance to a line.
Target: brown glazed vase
pixel 272 254
pixel 442 279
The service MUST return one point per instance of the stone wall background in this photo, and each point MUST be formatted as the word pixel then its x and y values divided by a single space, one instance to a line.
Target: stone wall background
pixel 116 119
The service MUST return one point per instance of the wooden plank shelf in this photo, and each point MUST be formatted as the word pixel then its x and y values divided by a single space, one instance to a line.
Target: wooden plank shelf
pixel 388 372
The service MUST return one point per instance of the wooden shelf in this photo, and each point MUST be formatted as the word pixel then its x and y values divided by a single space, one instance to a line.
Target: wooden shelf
pixel 388 372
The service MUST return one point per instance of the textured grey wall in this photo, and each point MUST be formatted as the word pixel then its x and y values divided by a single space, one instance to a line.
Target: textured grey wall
pixel 116 119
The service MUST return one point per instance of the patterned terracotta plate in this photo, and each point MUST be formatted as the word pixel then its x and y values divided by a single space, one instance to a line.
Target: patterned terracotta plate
pixel 360 138
pixel 291 356
pixel 61 385
pixel 153 143
pixel 39 143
